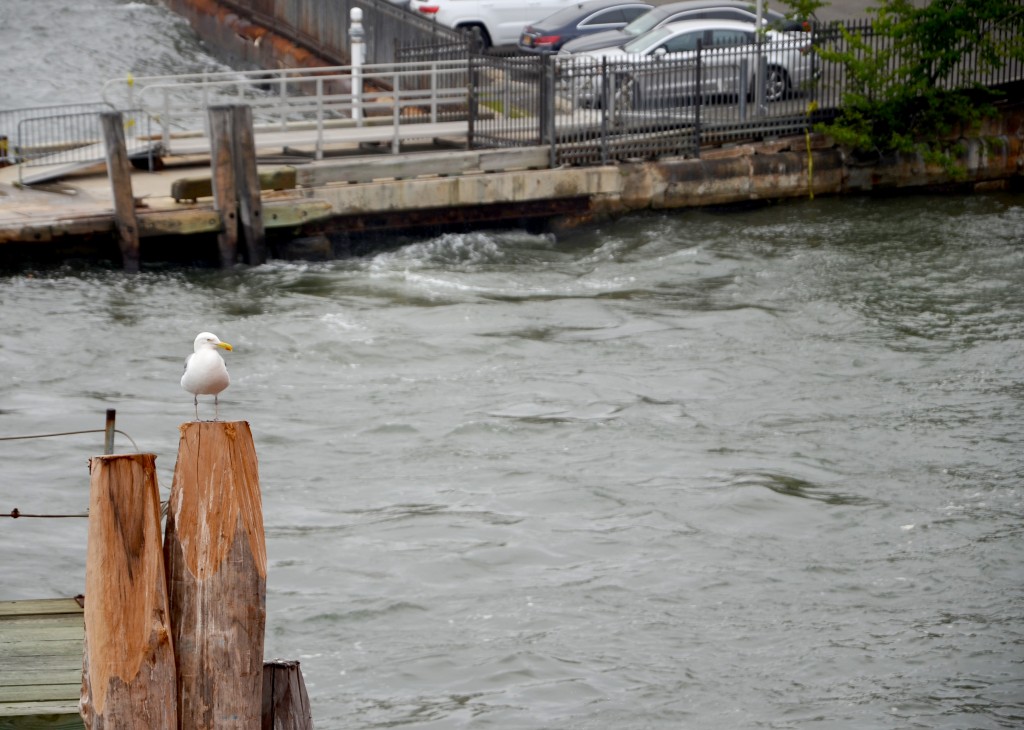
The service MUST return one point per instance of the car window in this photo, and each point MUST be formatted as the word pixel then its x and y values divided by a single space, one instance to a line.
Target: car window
pixel 650 40
pixel 645 22
pixel 683 42
pixel 632 14
pixel 721 38
pixel 733 14
pixel 684 15
pixel 605 17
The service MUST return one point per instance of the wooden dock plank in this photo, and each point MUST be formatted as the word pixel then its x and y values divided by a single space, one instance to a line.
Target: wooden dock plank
pixel 41 606
pixel 40 716
pixel 41 664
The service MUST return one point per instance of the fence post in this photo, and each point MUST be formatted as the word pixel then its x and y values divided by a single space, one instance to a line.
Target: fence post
pixel 128 671
pixel 225 188
pixel 119 169
pixel 216 559
pixel 605 100
pixel 473 101
pixel 699 101
pixel 549 107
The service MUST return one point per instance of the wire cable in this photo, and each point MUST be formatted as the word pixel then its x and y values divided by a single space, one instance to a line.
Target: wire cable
pixel 70 433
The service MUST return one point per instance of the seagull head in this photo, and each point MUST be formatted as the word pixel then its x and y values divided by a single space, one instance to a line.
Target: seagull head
pixel 210 341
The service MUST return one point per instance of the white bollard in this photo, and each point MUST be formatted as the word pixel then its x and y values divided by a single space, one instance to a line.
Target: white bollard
pixel 358 51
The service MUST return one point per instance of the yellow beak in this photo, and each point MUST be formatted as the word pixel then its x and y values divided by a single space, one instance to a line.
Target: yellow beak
pixel 226 346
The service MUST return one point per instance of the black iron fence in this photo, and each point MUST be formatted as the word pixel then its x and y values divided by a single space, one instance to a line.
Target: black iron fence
pixel 982 57
pixel 593 109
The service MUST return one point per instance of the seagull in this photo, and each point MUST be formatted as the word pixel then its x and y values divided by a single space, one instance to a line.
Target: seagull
pixel 205 372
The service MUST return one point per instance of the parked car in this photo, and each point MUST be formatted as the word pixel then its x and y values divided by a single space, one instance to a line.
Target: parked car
pixel 498 22
pixel 582 19
pixel 652 70
pixel 743 10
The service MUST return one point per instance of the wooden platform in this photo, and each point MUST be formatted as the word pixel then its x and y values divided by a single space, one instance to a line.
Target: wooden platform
pixel 41 664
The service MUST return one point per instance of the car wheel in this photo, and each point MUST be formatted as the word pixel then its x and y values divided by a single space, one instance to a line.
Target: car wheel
pixel 776 84
pixel 479 35
pixel 627 96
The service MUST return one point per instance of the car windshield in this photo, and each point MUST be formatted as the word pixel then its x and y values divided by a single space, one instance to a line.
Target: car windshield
pixel 563 16
pixel 648 40
pixel 644 23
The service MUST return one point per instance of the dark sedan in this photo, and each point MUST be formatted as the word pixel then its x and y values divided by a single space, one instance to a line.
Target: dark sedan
pixel 742 10
pixel 579 20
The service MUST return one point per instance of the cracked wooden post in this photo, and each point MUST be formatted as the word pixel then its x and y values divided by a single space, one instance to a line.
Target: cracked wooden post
pixel 285 702
pixel 128 677
pixel 119 168
pixel 250 201
pixel 216 558
pixel 225 187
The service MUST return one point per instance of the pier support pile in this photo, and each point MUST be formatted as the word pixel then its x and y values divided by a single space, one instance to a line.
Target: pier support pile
pixel 175 632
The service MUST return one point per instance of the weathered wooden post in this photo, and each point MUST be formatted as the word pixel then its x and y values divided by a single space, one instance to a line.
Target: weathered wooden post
pixel 225 189
pixel 250 201
pixel 216 558
pixel 120 172
pixel 285 702
pixel 128 676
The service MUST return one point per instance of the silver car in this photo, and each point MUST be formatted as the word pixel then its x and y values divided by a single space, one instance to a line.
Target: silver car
pixel 659 68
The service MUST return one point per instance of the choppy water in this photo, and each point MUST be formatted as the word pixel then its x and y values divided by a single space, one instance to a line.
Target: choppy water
pixel 749 469
pixel 703 470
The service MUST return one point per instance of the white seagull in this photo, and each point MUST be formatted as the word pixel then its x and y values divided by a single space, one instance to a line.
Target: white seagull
pixel 205 372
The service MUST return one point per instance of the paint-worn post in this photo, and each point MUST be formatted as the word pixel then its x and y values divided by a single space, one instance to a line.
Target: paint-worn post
pixel 128 673
pixel 285 702
pixel 120 172
pixel 250 202
pixel 216 558
pixel 108 432
pixel 225 190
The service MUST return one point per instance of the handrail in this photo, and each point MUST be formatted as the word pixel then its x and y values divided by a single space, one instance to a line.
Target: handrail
pixel 287 97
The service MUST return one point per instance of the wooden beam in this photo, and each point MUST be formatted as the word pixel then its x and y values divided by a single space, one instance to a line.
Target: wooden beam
pixel 120 171
pixel 250 208
pixel 128 667
pixel 224 183
pixel 215 551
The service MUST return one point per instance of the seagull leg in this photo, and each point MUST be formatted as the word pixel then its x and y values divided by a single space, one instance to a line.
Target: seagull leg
pixel 216 409
pixel 195 401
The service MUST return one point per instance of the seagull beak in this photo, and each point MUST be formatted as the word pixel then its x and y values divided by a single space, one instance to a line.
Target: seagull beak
pixel 226 346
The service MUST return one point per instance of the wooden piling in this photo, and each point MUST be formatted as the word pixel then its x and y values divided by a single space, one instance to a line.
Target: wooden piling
pixel 250 204
pixel 285 702
pixel 225 189
pixel 215 552
pixel 120 172
pixel 128 673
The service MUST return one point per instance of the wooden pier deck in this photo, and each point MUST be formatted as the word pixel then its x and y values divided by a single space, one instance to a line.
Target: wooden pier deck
pixel 41 664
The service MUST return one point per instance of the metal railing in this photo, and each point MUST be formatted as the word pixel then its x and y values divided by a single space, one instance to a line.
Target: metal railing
pixel 589 111
pixel 13 151
pixel 322 26
pixel 51 136
pixel 595 110
pixel 314 99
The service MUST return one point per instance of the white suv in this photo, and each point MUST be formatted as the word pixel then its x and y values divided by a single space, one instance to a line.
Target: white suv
pixel 499 22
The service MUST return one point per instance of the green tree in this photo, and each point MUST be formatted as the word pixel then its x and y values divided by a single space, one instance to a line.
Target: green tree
pixel 923 74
